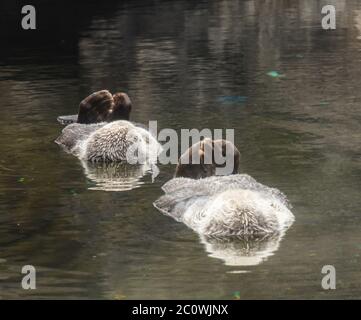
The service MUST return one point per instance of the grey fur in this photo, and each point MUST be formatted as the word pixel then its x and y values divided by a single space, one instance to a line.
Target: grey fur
pixel 74 133
pixel 108 142
pixel 235 205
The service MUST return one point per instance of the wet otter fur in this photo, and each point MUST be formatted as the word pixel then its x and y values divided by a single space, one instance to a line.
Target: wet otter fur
pixel 187 167
pixel 101 106
pixel 109 142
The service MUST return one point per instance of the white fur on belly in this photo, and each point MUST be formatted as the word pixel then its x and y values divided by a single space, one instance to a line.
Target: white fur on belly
pixel 119 141
pixel 237 212
pixel 234 205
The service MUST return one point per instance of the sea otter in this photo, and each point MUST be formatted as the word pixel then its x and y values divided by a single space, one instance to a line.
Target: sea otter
pixel 222 205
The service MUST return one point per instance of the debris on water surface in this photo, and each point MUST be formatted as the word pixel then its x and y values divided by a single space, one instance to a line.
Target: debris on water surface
pixel 275 74
pixel 324 103
pixel 236 295
pixel 232 99
pixel 73 192
pixel 5 168
pixel 119 296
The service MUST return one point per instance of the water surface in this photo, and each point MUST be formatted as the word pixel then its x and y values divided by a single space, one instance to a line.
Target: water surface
pixel 290 90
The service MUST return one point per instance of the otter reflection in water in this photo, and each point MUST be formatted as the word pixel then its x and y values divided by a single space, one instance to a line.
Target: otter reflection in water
pixel 242 251
pixel 117 176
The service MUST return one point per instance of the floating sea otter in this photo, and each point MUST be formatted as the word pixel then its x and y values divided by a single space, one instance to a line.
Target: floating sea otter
pixel 233 205
pixel 101 133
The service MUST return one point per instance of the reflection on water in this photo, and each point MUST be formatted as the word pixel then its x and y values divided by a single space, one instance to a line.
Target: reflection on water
pixel 242 251
pixel 187 64
pixel 115 176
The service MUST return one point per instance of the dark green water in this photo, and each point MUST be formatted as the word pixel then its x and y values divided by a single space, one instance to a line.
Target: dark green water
pixel 187 66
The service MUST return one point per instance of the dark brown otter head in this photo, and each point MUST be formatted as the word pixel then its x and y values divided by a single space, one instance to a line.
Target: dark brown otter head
pixel 121 108
pixel 103 106
pixel 204 158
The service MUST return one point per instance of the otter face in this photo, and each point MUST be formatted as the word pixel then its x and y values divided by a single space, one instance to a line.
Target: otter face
pixel 102 106
pixel 200 160
pixel 194 171
pixel 121 108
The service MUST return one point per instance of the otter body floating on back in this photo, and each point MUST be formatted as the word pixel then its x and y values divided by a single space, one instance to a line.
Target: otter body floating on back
pixel 234 205
pixel 110 140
